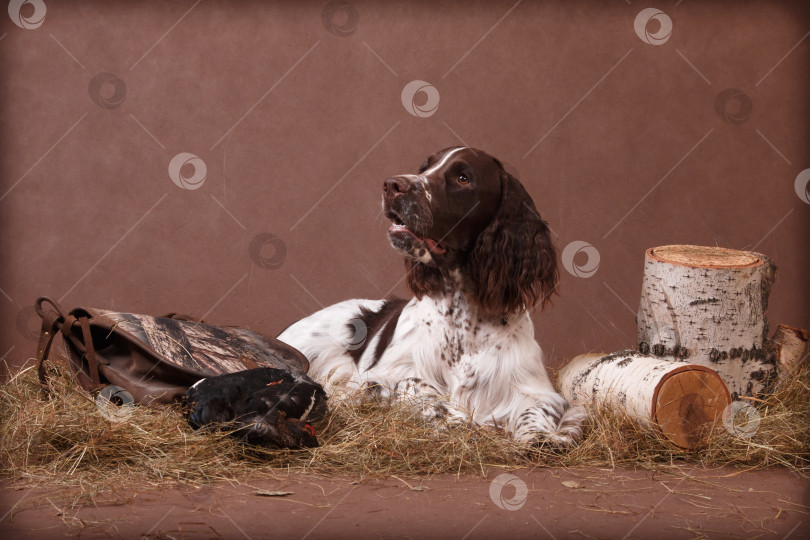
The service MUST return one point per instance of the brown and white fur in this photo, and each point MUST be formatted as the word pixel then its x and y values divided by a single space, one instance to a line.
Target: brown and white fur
pixel 479 257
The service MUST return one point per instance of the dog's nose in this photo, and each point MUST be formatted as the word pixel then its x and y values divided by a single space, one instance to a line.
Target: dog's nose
pixel 396 186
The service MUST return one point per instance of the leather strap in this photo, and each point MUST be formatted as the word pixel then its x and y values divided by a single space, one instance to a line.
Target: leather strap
pixel 53 321
pixel 67 325
pixel 41 310
pixel 49 329
pixel 89 351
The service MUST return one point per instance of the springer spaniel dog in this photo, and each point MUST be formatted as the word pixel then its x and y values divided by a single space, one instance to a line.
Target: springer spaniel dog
pixel 478 258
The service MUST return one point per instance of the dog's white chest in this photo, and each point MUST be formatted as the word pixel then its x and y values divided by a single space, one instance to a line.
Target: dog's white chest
pixel 454 343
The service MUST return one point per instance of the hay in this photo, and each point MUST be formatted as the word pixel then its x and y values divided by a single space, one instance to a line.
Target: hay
pixel 67 441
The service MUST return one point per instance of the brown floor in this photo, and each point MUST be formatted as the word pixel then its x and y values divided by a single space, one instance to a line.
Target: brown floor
pixel 574 503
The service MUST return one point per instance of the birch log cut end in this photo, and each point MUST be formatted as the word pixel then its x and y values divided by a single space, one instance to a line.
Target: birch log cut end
pixel 688 400
pixel 708 304
pixel 705 256
pixel 681 399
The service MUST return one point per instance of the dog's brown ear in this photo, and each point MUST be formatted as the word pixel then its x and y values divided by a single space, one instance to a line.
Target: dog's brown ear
pixel 513 264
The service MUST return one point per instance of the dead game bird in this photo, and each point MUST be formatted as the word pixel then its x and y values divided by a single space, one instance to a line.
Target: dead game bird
pixel 263 406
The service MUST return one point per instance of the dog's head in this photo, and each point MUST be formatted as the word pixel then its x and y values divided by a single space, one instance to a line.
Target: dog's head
pixel 463 212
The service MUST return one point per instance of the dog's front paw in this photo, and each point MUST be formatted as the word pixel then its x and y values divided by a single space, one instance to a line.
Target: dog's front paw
pixel 421 396
pixel 543 426
pixel 374 391
pixel 554 443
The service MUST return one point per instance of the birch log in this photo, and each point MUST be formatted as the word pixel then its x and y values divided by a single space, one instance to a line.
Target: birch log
pixel 708 304
pixel 679 398
pixel 790 345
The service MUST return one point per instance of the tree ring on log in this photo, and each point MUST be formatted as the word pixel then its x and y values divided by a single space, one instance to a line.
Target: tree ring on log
pixel 704 256
pixel 688 401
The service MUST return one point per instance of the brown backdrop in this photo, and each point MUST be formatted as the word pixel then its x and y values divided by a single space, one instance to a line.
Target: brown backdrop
pixel 627 136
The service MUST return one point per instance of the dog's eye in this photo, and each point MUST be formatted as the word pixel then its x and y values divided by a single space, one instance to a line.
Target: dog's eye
pixel 463 179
